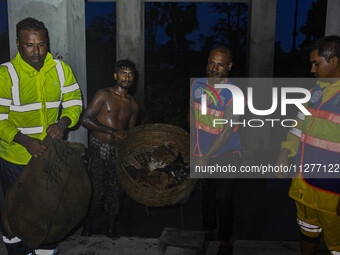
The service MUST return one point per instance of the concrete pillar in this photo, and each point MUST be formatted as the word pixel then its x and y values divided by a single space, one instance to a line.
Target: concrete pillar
pixel 65 21
pixel 261 40
pixel 261 46
pixel 333 18
pixel 130 38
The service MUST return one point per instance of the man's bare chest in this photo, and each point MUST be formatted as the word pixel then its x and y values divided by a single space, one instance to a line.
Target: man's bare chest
pixel 117 107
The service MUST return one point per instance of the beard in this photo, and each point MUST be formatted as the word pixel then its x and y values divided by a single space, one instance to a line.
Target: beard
pixel 216 77
pixel 125 85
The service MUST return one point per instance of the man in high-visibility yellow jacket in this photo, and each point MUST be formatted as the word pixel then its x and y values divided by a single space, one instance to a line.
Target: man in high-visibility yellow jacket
pixel 33 88
pixel 315 142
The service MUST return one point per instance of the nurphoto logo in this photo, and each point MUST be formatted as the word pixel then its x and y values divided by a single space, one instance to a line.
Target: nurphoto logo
pixel 239 103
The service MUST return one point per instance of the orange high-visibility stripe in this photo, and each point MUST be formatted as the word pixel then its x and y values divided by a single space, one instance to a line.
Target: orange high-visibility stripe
pixel 303 140
pixel 317 110
pixel 321 143
pixel 331 116
pixel 208 129
pixel 212 112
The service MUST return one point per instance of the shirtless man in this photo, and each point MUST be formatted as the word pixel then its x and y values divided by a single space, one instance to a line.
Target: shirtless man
pixel 109 114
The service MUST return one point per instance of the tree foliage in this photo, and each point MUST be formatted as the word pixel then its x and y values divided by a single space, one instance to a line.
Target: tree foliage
pixel 314 28
pixel 231 28
pixel 100 52
pixel 177 19
pixel 153 22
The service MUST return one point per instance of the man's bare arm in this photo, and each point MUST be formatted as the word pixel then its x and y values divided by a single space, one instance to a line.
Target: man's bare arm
pixel 282 160
pixel 133 118
pixel 32 145
pixel 57 130
pixel 89 118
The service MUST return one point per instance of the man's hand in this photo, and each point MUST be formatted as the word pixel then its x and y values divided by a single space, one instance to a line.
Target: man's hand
pixel 35 148
pixel 282 159
pixel 32 145
pixel 57 130
pixel 202 161
pixel 119 134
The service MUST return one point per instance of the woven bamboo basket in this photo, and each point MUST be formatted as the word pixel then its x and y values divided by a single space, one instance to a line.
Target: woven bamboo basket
pixel 136 149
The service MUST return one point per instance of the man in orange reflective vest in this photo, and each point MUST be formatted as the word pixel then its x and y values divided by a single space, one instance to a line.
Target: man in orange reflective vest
pixel 214 144
pixel 315 142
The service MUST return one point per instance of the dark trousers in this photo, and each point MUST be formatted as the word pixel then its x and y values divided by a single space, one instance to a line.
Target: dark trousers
pixel 9 172
pixel 218 201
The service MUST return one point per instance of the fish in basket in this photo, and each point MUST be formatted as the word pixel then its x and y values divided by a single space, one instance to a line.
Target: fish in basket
pixel 153 164
pixel 165 168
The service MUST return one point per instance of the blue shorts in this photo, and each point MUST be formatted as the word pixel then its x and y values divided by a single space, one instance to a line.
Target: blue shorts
pixel 9 172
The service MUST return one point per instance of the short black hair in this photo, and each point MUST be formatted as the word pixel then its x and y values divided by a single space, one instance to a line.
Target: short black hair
pixel 223 49
pixel 125 64
pixel 328 47
pixel 31 24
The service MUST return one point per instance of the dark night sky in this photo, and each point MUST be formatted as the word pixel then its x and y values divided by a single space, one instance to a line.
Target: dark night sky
pixel 285 21
pixel 284 24
pixel 3 16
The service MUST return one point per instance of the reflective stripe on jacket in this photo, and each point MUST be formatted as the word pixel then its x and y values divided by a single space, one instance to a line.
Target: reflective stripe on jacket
pixel 30 102
pixel 320 143
pixel 316 140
